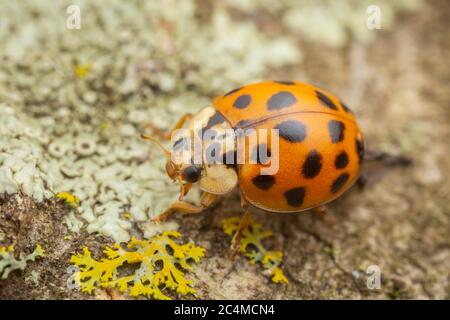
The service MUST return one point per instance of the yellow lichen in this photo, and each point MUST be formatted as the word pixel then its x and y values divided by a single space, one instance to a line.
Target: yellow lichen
pixel 81 70
pixel 252 247
pixel 70 199
pixel 128 216
pixel 160 261
pixel 7 249
pixel 9 263
pixel 39 251
pixel 104 126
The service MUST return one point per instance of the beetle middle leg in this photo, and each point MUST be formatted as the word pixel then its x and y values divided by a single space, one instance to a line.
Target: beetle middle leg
pixel 206 200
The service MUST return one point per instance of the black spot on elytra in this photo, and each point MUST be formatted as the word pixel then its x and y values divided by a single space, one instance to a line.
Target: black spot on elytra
pixel 263 182
pixel 360 149
pixel 232 91
pixel 347 109
pixel 280 100
pixel 230 159
pixel 336 130
pixel 312 165
pixel 292 130
pixel 261 154
pixel 210 135
pixel 288 83
pixel 339 182
pixel 341 160
pixel 242 102
pixel 325 100
pixel 295 196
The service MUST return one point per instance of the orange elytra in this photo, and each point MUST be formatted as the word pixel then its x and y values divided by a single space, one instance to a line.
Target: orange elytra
pixel 320 148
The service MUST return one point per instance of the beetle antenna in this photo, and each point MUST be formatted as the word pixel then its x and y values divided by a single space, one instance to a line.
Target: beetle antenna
pixel 150 138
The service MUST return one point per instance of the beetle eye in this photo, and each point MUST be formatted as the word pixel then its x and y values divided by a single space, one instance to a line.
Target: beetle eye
pixel 191 173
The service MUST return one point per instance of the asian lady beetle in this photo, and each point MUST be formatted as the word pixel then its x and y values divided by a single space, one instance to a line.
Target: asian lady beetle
pixel 320 149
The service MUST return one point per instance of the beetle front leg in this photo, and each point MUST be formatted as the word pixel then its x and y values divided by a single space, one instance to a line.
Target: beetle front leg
pixel 206 200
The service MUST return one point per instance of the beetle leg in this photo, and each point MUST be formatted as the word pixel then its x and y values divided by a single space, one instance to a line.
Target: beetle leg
pixel 184 189
pixel 388 159
pixel 206 200
pixel 236 241
pixel 166 135
pixel 324 216
pixel 244 202
pixel 243 224
pixel 362 181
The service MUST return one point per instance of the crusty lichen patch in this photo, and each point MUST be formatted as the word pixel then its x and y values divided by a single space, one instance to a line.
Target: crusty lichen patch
pixel 332 23
pixel 71 115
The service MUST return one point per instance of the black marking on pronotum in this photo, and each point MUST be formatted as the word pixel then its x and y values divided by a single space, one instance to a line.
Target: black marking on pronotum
pixel 210 135
pixel 221 136
pixel 312 165
pixel 325 100
pixel 292 130
pixel 336 130
pixel 263 182
pixel 242 102
pixel 215 119
pixel 339 182
pixel 179 143
pixel 211 151
pixel 295 196
pixel 280 100
pixel 341 160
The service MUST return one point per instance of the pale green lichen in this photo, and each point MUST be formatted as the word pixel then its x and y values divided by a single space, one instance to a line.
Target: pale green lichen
pixel 71 118
pixel 75 101
pixel 330 22
pixel 8 263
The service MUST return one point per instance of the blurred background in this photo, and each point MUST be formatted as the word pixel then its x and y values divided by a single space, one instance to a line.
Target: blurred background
pixel 80 79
